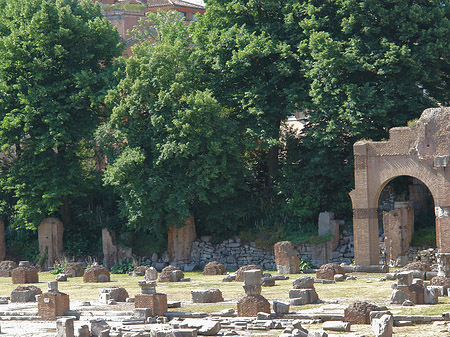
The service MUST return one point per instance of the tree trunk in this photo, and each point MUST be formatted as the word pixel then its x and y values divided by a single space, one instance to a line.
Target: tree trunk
pixel 65 211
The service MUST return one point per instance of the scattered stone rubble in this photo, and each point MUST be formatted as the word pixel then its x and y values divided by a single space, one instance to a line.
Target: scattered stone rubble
pixel 328 270
pixel 172 274
pixel 25 273
pixel 96 273
pixel 214 268
pixel 74 269
pixel 6 268
pixel 303 292
pixel 24 294
pixel 206 296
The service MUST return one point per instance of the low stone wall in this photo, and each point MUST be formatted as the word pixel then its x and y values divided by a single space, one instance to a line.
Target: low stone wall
pixel 233 253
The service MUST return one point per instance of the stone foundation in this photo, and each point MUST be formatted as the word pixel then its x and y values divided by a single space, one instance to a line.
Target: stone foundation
pixel 52 304
pixel 249 306
pixel 6 268
pixel 74 269
pixel 24 274
pixel 96 274
pixel 156 302
pixel 286 258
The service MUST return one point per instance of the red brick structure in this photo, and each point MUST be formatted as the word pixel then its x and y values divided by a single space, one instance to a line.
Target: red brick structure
pixel 328 270
pixel 421 152
pixel 52 304
pixel 24 274
pixel 286 258
pixel 157 302
pixel 249 306
pixel 96 273
pixel 359 312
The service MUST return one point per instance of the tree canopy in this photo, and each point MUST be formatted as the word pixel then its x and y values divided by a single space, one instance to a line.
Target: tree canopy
pixel 170 144
pixel 54 57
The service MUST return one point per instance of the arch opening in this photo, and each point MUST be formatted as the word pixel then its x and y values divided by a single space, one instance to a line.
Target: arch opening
pixel 405 218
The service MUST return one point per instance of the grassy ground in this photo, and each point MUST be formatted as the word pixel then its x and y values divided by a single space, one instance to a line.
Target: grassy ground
pixel 337 296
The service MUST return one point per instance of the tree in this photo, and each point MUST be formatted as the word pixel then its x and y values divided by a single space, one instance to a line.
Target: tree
pixel 248 54
pixel 372 65
pixel 170 144
pixel 55 58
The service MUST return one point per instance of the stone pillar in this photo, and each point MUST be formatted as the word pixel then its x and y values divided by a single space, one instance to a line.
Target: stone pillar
pixel 328 225
pixel 286 258
pixel 180 241
pixel 365 221
pixel 112 253
pixel 52 303
pixel 442 260
pixel 109 248
pixel 2 240
pixel 50 234
pixel 398 226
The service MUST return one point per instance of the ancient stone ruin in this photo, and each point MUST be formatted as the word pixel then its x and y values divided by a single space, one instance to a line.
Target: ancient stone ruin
pixel 422 152
pixel 253 302
pixel 286 258
pixel 6 268
pixel 24 294
pixel 25 273
pixel 50 235
pixel 53 303
pixel 96 273
pixel 149 298
pixel 303 292
pixel 398 229
pixel 214 268
pixel 74 269
pixel 112 252
pixel 329 270
pixel 180 240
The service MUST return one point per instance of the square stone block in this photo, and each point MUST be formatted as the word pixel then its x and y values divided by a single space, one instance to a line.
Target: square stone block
pixel 157 302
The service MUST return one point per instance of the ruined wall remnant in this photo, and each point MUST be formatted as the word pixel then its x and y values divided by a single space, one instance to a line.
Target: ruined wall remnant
pixel 421 152
pixel 113 253
pixel 180 240
pixel 50 234
pixel 398 228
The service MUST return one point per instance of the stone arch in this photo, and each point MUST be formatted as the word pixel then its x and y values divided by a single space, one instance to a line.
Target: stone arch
pixel 422 152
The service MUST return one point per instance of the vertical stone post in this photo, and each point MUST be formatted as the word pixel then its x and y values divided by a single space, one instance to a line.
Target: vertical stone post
pixel 180 241
pixel 109 248
pixel 2 240
pixel 365 222
pixel 50 234
pixel 398 226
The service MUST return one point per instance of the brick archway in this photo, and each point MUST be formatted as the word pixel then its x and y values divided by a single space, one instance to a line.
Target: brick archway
pixel 422 152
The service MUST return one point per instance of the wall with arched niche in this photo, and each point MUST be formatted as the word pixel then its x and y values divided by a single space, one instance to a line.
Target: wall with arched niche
pixel 422 152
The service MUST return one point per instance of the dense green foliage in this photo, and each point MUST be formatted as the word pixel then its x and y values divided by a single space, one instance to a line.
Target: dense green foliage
pixel 194 121
pixel 370 63
pixel 170 144
pixel 54 61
